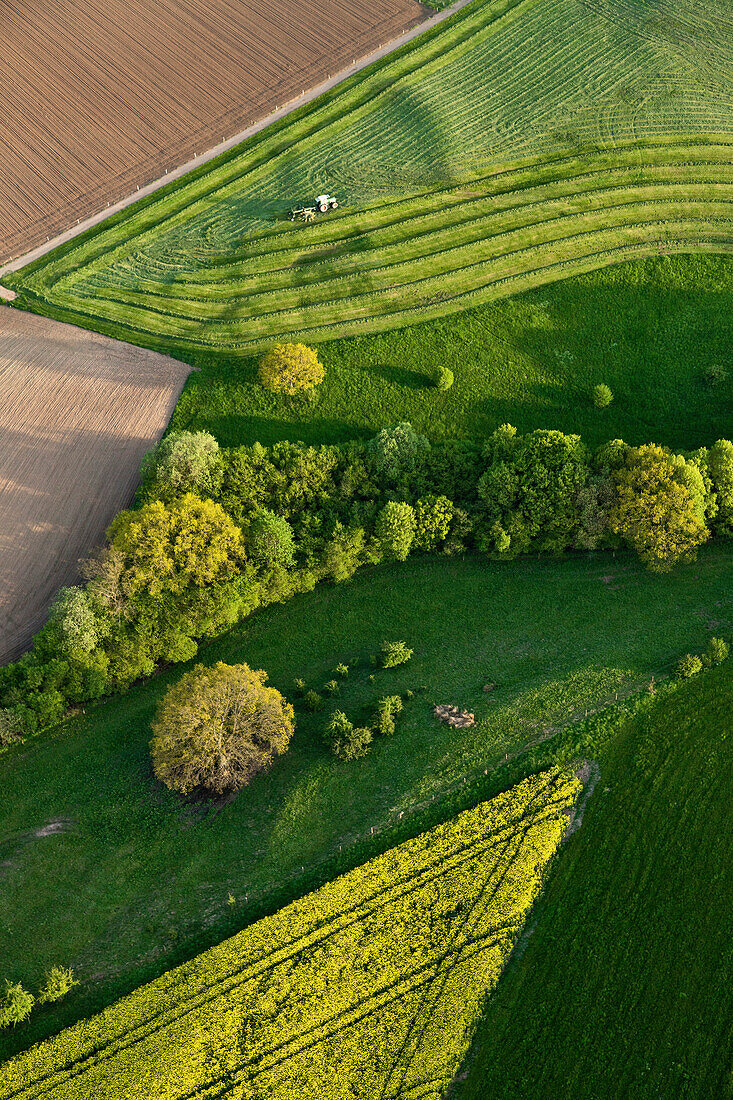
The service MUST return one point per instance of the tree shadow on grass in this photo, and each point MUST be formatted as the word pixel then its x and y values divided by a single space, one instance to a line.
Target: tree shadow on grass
pixel 401 376
pixel 245 430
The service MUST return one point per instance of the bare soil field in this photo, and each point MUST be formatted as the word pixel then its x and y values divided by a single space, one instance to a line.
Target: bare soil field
pixel 100 98
pixel 78 412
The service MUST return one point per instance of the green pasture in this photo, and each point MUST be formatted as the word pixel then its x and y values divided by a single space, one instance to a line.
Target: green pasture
pixel 519 143
pixel 623 988
pixel 130 878
pixel 648 329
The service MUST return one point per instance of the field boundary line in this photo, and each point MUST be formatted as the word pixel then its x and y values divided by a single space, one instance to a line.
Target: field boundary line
pixel 304 98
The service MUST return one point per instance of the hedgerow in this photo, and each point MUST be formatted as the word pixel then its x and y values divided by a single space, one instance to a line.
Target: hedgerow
pixel 181 569
pixel 369 986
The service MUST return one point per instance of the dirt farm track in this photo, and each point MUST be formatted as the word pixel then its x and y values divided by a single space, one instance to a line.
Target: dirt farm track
pixel 100 98
pixel 78 413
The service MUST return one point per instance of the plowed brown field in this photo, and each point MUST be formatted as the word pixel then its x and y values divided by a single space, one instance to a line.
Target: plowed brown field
pixel 98 98
pixel 78 412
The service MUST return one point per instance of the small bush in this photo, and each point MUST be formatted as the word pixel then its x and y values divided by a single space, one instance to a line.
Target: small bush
pixel 602 395
pixel 342 670
pixel 291 368
pixel 687 666
pixel 332 687
pixel 394 653
pixel 346 741
pixel 715 375
pixel 716 652
pixel 299 685
pixel 443 379
pixel 313 701
pixel 15 1004
pixel 56 984
pixel 387 710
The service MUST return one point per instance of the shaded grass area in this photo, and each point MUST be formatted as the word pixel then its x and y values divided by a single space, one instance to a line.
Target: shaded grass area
pixel 136 879
pixel 649 329
pixel 624 989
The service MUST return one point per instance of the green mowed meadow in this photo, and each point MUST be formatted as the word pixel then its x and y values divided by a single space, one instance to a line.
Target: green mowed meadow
pixel 104 870
pixel 623 988
pixel 516 144
pixel 649 329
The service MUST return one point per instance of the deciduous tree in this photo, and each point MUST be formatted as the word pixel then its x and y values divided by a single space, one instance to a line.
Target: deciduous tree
pixel 655 512
pixel 218 727
pixel 291 368
pixel 183 462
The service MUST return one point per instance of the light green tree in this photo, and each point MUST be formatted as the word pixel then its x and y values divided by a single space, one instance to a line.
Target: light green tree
pixel 395 530
pixel 217 728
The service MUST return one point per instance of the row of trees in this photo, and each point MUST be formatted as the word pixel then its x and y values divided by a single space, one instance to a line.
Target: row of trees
pixel 217 533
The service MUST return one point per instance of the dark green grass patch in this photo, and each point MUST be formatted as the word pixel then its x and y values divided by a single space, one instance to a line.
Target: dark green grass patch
pixel 624 989
pixel 650 330
pixel 134 878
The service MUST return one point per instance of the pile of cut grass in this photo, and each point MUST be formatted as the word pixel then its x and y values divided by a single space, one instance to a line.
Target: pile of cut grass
pixel 624 989
pixel 496 153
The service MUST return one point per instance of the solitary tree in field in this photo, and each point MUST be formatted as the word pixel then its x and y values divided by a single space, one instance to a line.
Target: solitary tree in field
pixel 654 511
pixel 217 728
pixel 291 368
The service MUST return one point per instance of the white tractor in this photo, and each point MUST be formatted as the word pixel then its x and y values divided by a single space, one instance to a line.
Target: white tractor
pixel 324 203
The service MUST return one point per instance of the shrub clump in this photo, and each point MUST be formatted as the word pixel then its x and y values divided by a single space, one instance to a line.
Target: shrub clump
pixel 291 369
pixel 342 670
pixel 443 378
pixel 16 1004
pixel 387 710
pixel 332 687
pixel 717 651
pixel 392 654
pixel 217 728
pixel 56 984
pixel 687 666
pixel 346 741
pixel 602 395
pixel 715 374
pixel 313 701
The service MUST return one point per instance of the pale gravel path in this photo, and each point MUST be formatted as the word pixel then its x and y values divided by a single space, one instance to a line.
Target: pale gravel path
pixel 176 173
